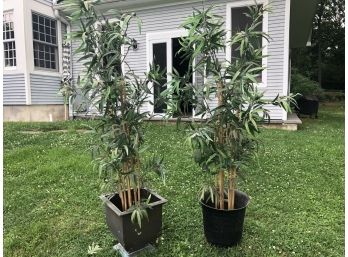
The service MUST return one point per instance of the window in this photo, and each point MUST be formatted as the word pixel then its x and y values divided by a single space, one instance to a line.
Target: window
pixel 9 40
pixel 239 21
pixel 45 42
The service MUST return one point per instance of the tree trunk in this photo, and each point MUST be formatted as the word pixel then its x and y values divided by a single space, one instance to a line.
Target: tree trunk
pixel 320 14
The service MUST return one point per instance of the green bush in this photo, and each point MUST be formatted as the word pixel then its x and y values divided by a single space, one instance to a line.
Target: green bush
pixel 332 96
pixel 301 84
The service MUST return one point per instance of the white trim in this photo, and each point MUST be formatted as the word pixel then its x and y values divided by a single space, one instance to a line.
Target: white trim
pixel 60 46
pixel 10 68
pixel 46 73
pixel 286 53
pixel 245 3
pixel 161 37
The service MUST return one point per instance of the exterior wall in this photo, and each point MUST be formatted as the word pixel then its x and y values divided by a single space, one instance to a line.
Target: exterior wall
pixel 25 81
pixel 34 113
pixel 169 18
pixel 16 6
pixel 14 89
pixel 38 79
pixel 44 89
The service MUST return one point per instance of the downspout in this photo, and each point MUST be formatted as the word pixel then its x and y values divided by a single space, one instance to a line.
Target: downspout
pixel 68 29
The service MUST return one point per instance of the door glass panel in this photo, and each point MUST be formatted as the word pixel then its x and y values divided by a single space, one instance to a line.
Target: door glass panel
pixel 160 59
pixel 181 65
pixel 239 22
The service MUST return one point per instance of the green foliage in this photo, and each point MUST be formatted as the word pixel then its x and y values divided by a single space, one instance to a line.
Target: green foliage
pixel 332 96
pixel 328 40
pixel 301 84
pixel 118 96
pixel 67 89
pixel 226 140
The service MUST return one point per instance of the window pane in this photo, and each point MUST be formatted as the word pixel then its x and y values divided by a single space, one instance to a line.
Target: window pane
pixel 41 28
pixel 46 28
pixel 35 18
pixel 10 53
pixel 160 59
pixel 240 21
pixel 45 56
pixel 36 35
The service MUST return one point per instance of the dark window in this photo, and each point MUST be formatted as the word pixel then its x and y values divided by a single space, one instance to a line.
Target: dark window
pixel 45 42
pixel 239 22
pixel 9 40
pixel 160 59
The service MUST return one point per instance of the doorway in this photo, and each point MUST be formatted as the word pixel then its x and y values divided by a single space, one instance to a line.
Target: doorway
pixel 163 51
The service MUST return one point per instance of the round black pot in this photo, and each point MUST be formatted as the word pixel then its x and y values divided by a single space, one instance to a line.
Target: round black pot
pixel 224 228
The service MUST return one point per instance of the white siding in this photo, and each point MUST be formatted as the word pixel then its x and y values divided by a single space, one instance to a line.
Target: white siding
pixel 170 18
pixel 44 89
pixel 14 89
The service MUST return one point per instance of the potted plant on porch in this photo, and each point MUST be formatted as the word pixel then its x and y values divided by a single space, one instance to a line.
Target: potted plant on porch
pixel 308 94
pixel 225 142
pixel 133 213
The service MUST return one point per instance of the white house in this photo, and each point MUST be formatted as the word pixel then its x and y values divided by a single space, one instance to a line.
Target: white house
pixel 289 25
pixel 33 60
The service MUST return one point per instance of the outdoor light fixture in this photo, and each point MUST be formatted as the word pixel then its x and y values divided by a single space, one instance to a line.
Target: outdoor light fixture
pixel 134 44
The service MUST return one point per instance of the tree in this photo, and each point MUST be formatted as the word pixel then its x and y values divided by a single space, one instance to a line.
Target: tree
pixel 324 62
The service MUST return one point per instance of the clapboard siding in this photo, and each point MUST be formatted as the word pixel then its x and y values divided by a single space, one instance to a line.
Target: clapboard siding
pixel 14 89
pixel 169 18
pixel 44 89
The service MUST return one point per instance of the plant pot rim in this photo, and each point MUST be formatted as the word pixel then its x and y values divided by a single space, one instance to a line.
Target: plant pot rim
pixel 226 210
pixel 106 199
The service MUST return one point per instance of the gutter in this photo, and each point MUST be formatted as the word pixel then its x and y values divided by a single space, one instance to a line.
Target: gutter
pixel 68 29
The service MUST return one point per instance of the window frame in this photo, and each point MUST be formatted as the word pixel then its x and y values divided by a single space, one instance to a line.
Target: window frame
pixel 10 40
pixel 44 43
pixel 247 3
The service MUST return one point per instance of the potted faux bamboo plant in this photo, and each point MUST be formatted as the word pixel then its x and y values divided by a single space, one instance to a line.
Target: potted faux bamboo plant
pixel 133 213
pixel 225 142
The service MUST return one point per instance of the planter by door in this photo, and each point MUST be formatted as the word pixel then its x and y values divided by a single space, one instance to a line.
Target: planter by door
pixel 224 228
pixel 308 106
pixel 128 234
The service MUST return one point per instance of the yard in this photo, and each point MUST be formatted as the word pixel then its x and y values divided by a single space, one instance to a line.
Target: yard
pixel 51 203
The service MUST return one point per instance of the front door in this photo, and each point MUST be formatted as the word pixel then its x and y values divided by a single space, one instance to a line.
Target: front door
pixel 163 51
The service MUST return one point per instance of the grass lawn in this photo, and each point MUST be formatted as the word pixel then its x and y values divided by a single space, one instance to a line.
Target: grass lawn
pixel 51 203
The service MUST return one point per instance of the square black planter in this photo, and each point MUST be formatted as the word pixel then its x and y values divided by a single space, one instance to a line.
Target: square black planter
pixel 128 234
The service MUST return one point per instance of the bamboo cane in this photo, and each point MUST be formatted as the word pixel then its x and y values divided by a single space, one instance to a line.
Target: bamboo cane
pixel 221 189
pixel 129 192
pixel 134 191
pixel 120 193
pixel 231 188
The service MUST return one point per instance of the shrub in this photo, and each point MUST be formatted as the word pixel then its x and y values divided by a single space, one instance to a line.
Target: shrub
pixel 332 96
pixel 301 84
